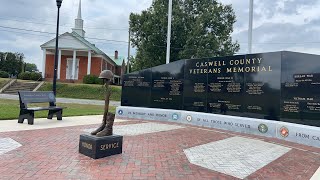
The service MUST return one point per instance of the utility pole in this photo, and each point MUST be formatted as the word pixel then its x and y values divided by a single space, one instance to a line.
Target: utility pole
pixel 128 63
pixel 250 26
pixel 169 32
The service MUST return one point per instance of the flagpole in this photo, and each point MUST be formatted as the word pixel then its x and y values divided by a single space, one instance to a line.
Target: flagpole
pixel 169 32
pixel 250 26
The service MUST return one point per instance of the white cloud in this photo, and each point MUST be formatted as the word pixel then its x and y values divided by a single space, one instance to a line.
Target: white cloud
pixel 278 25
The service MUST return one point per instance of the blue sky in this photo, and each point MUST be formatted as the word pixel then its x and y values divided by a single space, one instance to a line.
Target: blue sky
pixel 278 25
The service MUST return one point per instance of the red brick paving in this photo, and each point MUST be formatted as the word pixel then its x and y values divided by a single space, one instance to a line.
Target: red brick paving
pixel 53 154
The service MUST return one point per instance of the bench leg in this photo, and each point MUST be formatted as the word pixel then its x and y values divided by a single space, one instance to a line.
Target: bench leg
pixel 31 117
pixel 24 114
pixel 50 114
pixel 21 116
pixel 58 113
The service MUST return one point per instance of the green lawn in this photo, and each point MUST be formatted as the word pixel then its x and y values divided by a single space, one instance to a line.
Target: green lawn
pixel 82 91
pixel 9 109
pixel 3 81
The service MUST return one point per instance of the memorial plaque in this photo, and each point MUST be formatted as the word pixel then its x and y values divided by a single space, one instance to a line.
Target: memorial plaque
pixel 225 85
pixel 262 85
pixel 99 147
pixel 195 85
pixel 281 86
pixel 136 89
pixel 300 91
pixel 167 86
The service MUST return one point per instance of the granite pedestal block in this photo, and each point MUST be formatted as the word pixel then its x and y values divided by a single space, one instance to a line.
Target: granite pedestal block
pixel 99 147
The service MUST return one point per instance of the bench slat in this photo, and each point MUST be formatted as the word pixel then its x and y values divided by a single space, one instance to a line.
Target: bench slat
pixel 36 97
pixel 44 108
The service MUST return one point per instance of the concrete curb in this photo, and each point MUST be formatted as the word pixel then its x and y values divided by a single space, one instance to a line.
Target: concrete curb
pixel 302 134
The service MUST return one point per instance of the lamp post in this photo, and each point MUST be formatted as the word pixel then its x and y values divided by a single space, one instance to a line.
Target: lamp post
pixel 54 86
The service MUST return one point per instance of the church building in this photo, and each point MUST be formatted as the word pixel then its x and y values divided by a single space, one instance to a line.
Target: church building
pixel 78 57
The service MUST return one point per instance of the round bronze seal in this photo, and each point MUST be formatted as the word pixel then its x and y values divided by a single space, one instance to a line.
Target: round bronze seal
pixel 284 132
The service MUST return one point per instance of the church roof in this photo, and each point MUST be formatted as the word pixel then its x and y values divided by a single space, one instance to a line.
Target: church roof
pixel 75 41
pixel 118 61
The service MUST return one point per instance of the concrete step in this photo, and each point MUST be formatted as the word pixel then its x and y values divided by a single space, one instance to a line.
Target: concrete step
pixel 20 88
pixel 13 93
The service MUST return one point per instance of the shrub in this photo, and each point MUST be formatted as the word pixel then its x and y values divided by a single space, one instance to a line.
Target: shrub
pixel 4 74
pixel 92 79
pixel 35 76
pixel 24 76
pixel 89 79
pixel 30 76
pixel 98 81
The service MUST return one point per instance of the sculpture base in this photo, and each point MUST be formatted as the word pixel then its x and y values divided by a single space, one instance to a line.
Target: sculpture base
pixel 99 147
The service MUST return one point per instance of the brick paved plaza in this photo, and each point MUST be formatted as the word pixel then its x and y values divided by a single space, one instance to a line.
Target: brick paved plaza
pixel 154 150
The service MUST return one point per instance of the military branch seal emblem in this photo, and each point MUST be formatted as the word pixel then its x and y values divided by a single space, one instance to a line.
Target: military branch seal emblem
pixel 284 132
pixel 120 112
pixel 263 128
pixel 51 96
pixel 189 118
pixel 175 116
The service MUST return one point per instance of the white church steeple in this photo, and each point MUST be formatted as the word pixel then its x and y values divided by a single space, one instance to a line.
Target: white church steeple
pixel 78 28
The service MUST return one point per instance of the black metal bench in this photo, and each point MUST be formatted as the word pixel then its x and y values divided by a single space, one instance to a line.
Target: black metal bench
pixel 27 97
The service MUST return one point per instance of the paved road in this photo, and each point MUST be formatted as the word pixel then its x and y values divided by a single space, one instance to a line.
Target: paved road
pixel 67 100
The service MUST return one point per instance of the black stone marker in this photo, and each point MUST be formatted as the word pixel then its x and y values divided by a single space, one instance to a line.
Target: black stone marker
pixel 280 86
pixel 100 147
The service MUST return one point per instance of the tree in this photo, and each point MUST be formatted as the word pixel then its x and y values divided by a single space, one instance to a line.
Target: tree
pixel 11 62
pixel 132 64
pixel 200 28
pixel 30 67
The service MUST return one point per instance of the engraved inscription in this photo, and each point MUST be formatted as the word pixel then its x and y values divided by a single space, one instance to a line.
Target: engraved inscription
pixel 234 87
pixel 86 145
pixel 104 147
pixel 175 87
pixel 215 87
pixel 199 87
pixel 255 88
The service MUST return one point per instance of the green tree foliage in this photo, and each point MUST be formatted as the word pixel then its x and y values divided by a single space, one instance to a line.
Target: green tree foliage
pixel 30 67
pixel 132 66
pixel 4 74
pixel 200 28
pixel 11 62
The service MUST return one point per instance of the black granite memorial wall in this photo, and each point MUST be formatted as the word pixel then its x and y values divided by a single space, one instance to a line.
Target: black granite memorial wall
pixel 281 86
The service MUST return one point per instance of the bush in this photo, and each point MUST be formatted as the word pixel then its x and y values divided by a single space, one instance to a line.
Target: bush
pixel 89 79
pixel 24 76
pixel 92 79
pixel 35 76
pixel 98 81
pixel 4 74
pixel 30 76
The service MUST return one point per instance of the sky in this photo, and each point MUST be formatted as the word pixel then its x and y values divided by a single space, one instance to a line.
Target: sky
pixel 292 25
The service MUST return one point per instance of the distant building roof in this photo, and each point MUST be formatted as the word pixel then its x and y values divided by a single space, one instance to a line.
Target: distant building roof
pixel 119 60
pixel 76 40
pixel 87 44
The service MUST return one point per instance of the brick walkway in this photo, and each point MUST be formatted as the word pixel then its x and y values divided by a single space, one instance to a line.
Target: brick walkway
pixel 159 154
